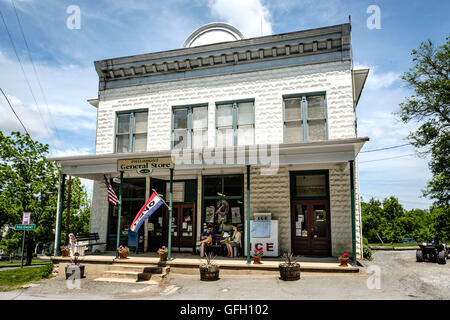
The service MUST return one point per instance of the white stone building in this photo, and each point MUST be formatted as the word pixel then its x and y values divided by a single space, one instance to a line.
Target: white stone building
pixel 214 103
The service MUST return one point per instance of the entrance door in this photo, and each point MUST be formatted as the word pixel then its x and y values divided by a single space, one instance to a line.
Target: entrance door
pixel 183 222
pixel 310 227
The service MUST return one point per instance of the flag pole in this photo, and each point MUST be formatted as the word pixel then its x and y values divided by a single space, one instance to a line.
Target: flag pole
pixel 119 214
pixel 161 198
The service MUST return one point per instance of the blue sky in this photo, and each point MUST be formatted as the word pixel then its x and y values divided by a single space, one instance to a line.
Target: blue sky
pixel 64 59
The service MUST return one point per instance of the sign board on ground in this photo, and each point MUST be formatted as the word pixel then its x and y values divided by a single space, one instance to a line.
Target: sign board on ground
pixel 25 227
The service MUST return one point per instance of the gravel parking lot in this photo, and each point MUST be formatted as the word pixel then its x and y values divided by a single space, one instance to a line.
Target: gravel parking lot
pixel 401 277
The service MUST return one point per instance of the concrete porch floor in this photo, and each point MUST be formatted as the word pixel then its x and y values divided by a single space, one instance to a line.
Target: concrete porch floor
pixel 185 261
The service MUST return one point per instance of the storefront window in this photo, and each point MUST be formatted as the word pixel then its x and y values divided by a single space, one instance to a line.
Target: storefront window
pixel 190 127
pixel 131 131
pixel 223 202
pixel 235 124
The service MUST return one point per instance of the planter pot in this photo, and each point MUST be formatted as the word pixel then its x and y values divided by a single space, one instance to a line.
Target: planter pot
pixel 163 256
pixel 209 274
pixel 256 260
pixel 123 255
pixel 71 269
pixel 65 253
pixel 343 262
pixel 290 273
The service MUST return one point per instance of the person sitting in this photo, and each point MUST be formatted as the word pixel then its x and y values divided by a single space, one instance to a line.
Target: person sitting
pixel 235 241
pixel 224 243
pixel 206 238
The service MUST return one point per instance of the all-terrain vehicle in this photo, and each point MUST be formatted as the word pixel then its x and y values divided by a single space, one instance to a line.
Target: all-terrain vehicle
pixel 433 251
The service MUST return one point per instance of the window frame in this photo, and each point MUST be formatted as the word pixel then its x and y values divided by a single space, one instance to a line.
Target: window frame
pixel 304 113
pixel 189 126
pixel 131 132
pixel 235 115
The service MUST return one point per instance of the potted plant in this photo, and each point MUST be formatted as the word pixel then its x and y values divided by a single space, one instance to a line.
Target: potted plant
pixel 257 255
pixel 343 260
pixel 65 250
pixel 163 253
pixel 123 252
pixel 290 269
pixel 74 266
pixel 209 271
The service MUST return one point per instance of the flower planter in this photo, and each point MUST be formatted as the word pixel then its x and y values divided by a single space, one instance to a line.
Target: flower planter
pixel 343 262
pixel 163 256
pixel 256 260
pixel 290 273
pixel 209 274
pixel 73 270
pixel 123 255
pixel 65 253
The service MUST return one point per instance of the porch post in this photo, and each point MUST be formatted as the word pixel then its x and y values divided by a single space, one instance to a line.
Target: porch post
pixel 119 214
pixel 248 214
pixel 60 209
pixel 169 241
pixel 352 199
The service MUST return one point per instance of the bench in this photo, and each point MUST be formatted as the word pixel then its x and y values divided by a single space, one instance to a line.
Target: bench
pixel 216 247
pixel 82 241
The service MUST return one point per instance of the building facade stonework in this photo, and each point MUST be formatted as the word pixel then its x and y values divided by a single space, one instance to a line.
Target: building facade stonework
pixel 266 77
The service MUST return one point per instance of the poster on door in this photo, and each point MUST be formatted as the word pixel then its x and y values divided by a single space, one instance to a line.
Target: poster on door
pixel 236 215
pixel 209 214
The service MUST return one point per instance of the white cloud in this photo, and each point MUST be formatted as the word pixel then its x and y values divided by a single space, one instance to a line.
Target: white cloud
pixel 251 17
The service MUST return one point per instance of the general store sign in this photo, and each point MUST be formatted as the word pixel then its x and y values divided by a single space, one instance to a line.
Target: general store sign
pixel 144 166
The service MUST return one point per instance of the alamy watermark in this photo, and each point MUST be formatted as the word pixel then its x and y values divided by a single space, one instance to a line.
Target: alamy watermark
pixel 266 156
pixel 74 20
pixel 374 20
pixel 374 281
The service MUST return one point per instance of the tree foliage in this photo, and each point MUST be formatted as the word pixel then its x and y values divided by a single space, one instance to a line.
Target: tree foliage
pixel 429 105
pixel 29 183
pixel 388 221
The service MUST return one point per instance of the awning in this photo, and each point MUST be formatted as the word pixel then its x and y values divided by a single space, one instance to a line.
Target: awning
pixel 318 152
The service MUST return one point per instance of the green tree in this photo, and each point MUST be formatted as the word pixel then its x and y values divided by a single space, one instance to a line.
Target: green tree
pixel 28 183
pixel 429 105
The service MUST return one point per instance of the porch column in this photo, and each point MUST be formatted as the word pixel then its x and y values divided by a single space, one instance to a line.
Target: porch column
pixel 248 214
pixel 352 200
pixel 169 240
pixel 119 214
pixel 59 209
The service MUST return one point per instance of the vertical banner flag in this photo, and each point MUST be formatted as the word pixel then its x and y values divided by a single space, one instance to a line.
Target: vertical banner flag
pixel 153 203
pixel 112 198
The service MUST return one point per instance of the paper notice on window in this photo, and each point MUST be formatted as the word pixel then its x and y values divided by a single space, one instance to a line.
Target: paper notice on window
pixel 236 215
pixel 151 227
pixel 298 225
pixel 184 225
pixel 209 214
pixel 298 232
pixel 160 221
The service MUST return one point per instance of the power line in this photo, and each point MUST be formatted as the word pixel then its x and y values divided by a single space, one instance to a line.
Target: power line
pixel 402 145
pixel 405 155
pixel 23 71
pixel 34 69
pixel 15 112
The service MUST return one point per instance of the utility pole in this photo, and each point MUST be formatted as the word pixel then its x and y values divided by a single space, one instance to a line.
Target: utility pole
pixel 69 196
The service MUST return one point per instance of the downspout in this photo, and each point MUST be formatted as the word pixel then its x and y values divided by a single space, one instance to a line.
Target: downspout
pixel 352 199
pixel 248 214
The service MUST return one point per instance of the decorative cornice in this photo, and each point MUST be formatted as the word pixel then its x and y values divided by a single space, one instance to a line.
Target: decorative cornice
pixel 258 52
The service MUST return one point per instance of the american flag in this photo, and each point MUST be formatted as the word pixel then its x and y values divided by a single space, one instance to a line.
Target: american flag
pixel 111 194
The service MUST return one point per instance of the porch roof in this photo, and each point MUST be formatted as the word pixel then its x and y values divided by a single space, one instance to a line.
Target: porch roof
pixel 317 152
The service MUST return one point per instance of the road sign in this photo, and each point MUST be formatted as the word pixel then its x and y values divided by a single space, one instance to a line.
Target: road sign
pixel 25 227
pixel 26 218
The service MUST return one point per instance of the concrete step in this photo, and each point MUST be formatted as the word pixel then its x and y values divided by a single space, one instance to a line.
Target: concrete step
pixel 136 268
pixel 122 280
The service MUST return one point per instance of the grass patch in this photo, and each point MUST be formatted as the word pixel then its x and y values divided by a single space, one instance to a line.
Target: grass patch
pixel 393 244
pixel 13 279
pixel 16 263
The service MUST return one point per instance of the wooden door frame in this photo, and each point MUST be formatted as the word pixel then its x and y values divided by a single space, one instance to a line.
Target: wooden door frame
pixel 309 204
pixel 180 206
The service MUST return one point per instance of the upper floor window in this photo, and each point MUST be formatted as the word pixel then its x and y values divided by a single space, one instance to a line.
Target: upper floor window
pixel 235 124
pixel 190 127
pixel 305 118
pixel 131 131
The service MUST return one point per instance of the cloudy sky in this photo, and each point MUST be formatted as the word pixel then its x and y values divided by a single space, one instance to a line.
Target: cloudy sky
pixel 55 110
